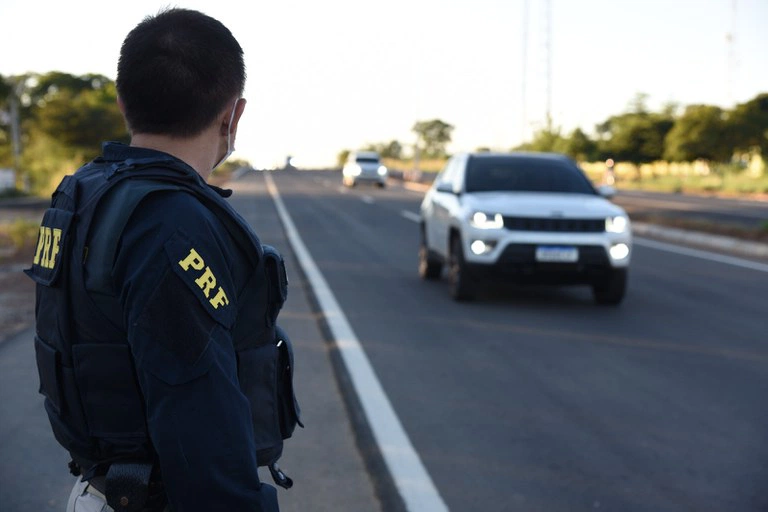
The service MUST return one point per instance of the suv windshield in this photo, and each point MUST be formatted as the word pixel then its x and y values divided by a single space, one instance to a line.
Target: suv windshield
pixel 366 160
pixel 525 174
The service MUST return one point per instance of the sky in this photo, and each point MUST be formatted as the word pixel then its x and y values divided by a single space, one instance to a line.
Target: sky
pixel 329 75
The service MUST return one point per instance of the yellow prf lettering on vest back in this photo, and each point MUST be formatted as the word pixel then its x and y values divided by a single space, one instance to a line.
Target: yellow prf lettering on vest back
pixel 207 280
pixel 48 247
pixel 54 247
pixel 40 242
pixel 220 299
pixel 193 260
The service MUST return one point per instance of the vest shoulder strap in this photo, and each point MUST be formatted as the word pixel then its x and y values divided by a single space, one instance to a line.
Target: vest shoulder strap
pixel 105 233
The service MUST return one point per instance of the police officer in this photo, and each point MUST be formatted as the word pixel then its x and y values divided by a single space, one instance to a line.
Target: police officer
pixel 156 343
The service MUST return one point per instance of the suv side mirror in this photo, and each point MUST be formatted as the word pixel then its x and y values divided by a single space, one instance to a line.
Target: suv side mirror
pixel 445 187
pixel 606 191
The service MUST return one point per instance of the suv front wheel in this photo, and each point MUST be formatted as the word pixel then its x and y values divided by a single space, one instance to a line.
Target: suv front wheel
pixel 459 281
pixel 430 267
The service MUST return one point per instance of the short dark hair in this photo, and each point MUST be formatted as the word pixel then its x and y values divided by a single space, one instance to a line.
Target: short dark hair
pixel 177 71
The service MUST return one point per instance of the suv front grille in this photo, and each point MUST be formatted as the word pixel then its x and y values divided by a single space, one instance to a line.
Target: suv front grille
pixel 555 225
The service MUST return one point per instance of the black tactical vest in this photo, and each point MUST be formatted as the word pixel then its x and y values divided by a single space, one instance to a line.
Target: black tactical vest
pixel 86 369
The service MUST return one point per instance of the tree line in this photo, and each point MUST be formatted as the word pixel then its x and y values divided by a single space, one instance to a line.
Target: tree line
pixel 60 120
pixel 51 123
pixel 695 132
pixel 638 135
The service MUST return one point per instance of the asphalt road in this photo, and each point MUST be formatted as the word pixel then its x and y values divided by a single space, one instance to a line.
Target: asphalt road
pixel 740 212
pixel 536 399
pixel 530 399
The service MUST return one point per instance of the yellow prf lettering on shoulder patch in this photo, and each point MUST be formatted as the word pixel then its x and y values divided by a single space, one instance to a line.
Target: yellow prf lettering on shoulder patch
pixel 48 247
pixel 205 280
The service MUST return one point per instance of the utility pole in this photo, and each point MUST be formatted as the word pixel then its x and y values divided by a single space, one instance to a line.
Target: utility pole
pixel 16 89
pixel 15 131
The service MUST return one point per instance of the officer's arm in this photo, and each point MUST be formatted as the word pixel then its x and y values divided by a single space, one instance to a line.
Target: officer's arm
pixel 179 304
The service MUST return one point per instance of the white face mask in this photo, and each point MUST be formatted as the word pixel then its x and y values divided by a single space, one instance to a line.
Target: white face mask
pixel 230 146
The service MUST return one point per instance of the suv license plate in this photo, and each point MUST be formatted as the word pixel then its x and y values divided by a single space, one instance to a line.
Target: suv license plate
pixel 557 254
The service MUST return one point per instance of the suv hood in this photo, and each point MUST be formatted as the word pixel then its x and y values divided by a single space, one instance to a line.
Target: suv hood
pixel 540 204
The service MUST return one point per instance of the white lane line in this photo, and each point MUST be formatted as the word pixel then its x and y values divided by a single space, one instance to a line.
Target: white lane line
pixel 367 199
pixel 415 217
pixel 409 474
pixel 705 255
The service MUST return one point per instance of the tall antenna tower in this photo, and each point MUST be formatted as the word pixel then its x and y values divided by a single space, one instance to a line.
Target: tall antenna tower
pixel 730 40
pixel 548 57
pixel 524 74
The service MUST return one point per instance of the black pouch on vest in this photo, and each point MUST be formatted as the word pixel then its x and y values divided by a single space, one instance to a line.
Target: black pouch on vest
pixel 288 406
pixel 277 280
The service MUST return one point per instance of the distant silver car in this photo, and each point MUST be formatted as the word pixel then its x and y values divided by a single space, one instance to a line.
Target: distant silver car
pixel 364 166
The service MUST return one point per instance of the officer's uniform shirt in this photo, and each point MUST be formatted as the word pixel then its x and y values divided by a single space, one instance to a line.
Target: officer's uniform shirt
pixel 179 274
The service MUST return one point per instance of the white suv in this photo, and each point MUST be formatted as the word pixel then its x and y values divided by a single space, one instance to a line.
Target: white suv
pixel 528 218
pixel 364 166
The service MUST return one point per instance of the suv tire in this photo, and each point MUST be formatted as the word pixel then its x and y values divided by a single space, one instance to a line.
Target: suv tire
pixel 612 289
pixel 460 287
pixel 430 267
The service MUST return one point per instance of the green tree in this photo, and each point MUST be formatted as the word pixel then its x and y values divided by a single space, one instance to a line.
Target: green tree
pixel 748 124
pixel 341 157
pixel 5 91
pixel 5 122
pixel 80 112
pixel 698 133
pixel 580 147
pixel 64 118
pixel 546 140
pixel 434 136
pixel 636 137
pixel 391 149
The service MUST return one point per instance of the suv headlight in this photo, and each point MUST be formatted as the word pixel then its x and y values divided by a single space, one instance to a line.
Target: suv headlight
pixel 484 220
pixel 354 170
pixel 382 170
pixel 618 224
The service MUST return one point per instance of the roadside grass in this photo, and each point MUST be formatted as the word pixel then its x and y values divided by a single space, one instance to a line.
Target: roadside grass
pixel 678 178
pixel 758 234
pixel 727 184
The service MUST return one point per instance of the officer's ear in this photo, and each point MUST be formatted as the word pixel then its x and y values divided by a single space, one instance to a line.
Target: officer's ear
pixel 233 117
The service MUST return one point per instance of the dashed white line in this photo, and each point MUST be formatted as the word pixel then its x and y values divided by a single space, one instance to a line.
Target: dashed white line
pixel 409 474
pixel 367 199
pixel 415 217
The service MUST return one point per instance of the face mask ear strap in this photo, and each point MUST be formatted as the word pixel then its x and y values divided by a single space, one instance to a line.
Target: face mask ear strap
pixel 230 145
pixel 231 122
